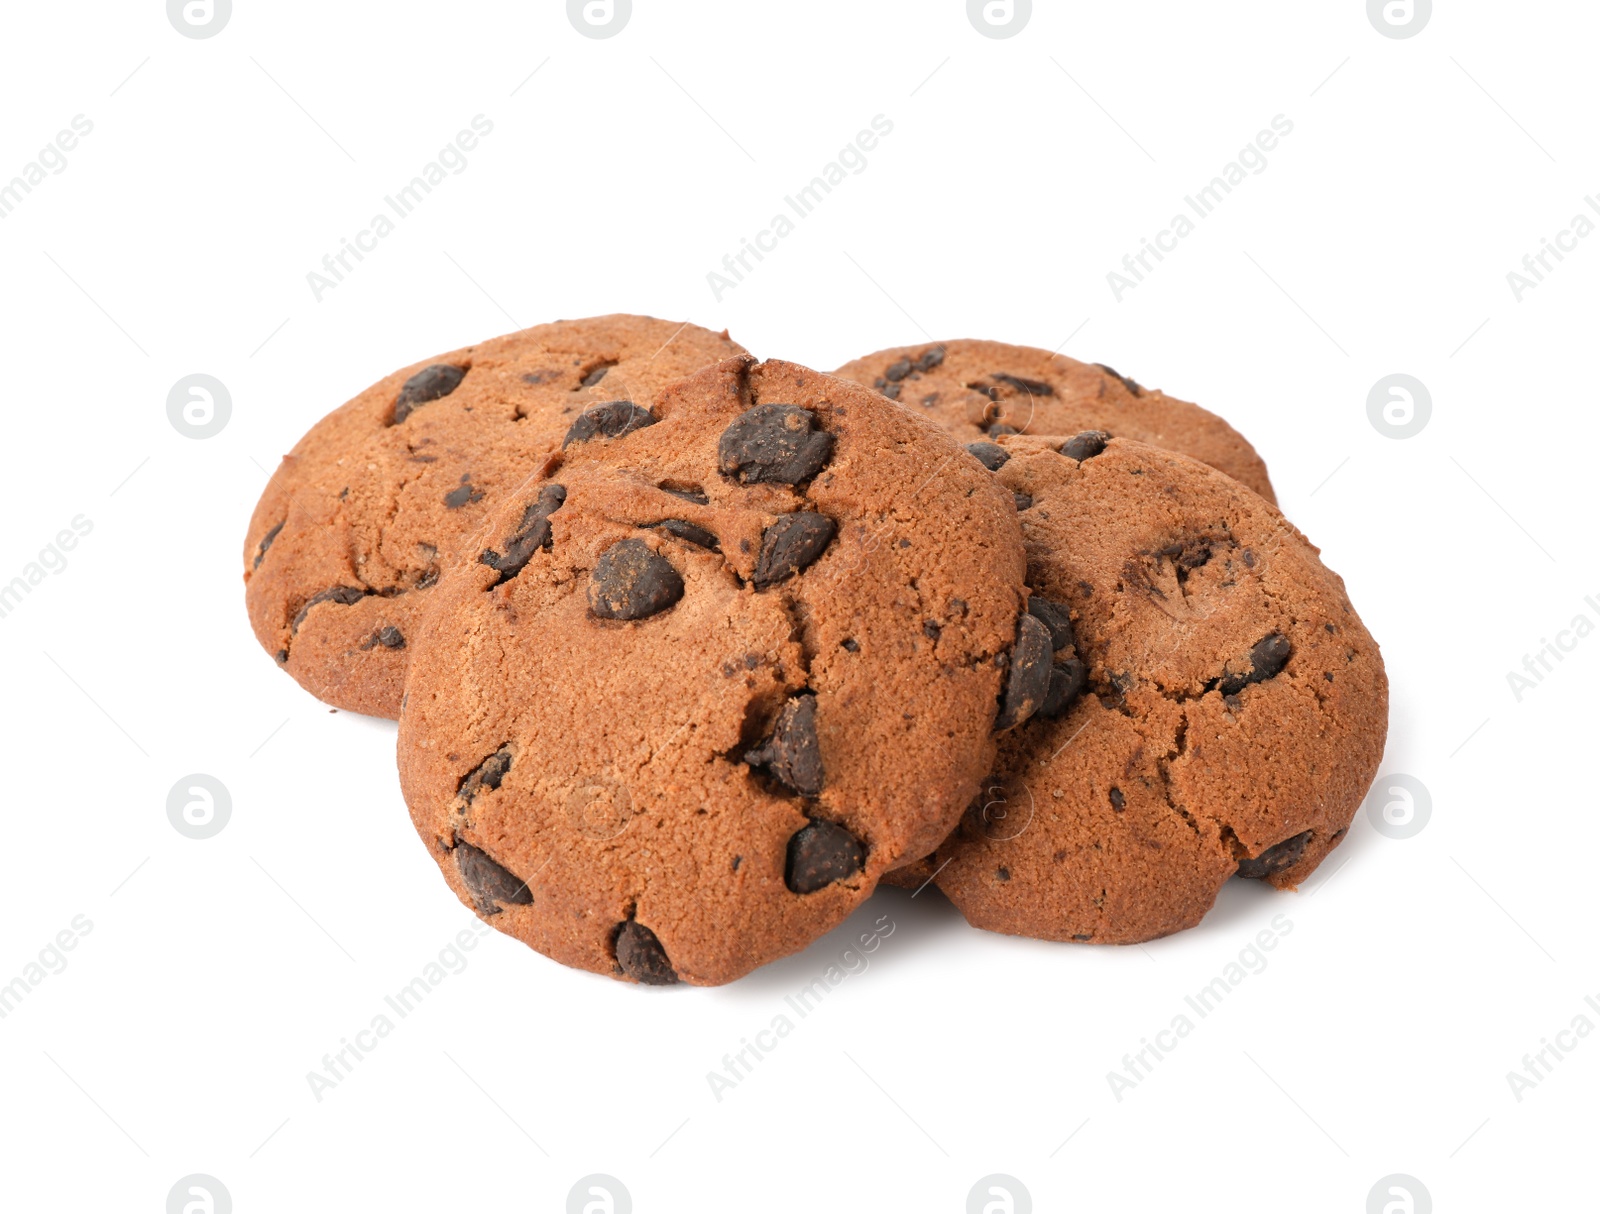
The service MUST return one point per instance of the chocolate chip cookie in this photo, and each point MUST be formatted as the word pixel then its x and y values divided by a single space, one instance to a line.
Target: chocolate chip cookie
pixel 1213 704
pixel 360 519
pixel 981 390
pixel 722 662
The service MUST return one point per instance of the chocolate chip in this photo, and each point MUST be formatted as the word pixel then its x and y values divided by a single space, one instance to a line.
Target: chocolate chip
pixel 1003 873
pixel 595 376
pixel 489 883
pixel 1118 801
pixel 1000 429
pixel 614 419
pixel 1029 679
pixel 266 542
pixel 1190 554
pixel 689 533
pixel 774 444
pixel 532 534
pixel 1276 858
pixel 487 774
pixel 930 358
pixel 461 495
pixel 931 630
pixel 1267 657
pixel 390 638
pixel 820 854
pixel 630 582
pixel 791 754
pixel 1057 617
pixel 689 493
pixel 1086 445
pixel 430 383
pixel 283 656
pixel 1129 384
pixel 1033 387
pixel 1024 502
pixel 791 544
pixel 896 371
pixel 343 595
pixel 851 645
pixel 989 390
pixel 990 455
pixel 1067 682
pixel 641 956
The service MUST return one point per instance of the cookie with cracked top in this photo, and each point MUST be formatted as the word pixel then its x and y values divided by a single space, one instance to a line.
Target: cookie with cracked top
pixel 384 493
pixel 983 390
pixel 762 652
pixel 1217 707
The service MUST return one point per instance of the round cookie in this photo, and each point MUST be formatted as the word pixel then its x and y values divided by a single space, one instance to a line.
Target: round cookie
pixel 359 519
pixel 713 675
pixel 981 390
pixel 1215 705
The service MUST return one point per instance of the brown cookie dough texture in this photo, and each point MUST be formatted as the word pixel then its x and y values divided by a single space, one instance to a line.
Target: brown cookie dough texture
pixel 982 390
pixel 360 519
pixel 714 673
pixel 1231 716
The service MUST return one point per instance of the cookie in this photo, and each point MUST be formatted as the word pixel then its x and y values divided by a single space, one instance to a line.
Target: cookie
pixel 981 390
pixel 360 519
pixel 711 676
pixel 1215 706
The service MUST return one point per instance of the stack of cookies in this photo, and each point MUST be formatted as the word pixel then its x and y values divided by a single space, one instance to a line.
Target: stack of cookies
pixel 690 652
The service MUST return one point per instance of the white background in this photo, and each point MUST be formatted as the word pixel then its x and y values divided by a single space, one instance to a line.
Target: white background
pixel 217 973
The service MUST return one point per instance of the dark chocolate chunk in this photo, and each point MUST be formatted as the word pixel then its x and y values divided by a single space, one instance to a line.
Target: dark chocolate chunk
pixel 430 383
pixel 487 774
pixel 1024 502
pixel 532 534
pixel 489 883
pixel 630 582
pixel 791 753
pixel 896 371
pixel 791 544
pixel 1057 617
pixel 774 444
pixel 689 533
pixel 990 455
pixel 689 493
pixel 1276 858
pixel 1118 801
pixel 595 376
pixel 930 358
pixel 641 956
pixel 1086 445
pixel 1067 682
pixel 1000 429
pixel 343 595
pixel 989 390
pixel 266 542
pixel 613 419
pixel 1129 384
pixel 1028 681
pixel 390 638
pixel 1267 657
pixel 1032 387
pixel 820 854
pixel 461 495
